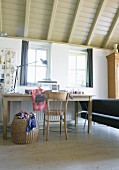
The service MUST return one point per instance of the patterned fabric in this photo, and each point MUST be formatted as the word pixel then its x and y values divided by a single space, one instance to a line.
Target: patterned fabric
pixel 38 100
pixel 31 124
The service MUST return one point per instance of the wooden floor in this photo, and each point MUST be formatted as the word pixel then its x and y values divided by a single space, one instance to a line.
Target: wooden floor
pixel 82 151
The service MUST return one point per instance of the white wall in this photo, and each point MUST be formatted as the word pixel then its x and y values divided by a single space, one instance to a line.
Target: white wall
pixel 12 43
pixel 100 73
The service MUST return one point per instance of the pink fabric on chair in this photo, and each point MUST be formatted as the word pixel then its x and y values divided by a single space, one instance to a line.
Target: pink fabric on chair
pixel 38 100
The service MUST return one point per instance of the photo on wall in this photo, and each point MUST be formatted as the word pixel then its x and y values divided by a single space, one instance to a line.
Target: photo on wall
pixel 7 68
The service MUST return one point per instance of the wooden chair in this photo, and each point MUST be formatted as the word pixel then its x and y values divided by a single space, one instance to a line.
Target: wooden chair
pixel 56 110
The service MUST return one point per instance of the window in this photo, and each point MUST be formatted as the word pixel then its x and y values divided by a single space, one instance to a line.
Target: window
pixel 38 64
pixel 77 68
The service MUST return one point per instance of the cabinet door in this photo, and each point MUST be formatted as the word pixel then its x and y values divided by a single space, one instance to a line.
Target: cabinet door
pixel 111 78
pixel 117 78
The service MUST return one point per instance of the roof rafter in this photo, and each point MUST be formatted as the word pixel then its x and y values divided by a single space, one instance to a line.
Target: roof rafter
pixel 96 19
pixel 55 4
pixel 79 6
pixel 112 28
pixel 28 3
pixel 0 16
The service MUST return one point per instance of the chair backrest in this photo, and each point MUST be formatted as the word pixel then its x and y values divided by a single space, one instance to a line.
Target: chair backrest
pixel 57 101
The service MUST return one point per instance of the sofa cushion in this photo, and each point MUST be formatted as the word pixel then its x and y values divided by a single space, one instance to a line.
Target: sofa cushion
pixel 106 106
pixel 103 119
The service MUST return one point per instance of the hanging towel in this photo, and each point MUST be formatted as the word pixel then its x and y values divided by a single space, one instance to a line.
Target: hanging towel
pixel 38 100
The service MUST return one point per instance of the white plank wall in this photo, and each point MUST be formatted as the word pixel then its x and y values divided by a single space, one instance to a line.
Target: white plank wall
pixel 15 107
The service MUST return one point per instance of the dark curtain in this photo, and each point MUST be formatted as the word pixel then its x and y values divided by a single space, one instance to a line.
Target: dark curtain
pixel 24 63
pixel 89 75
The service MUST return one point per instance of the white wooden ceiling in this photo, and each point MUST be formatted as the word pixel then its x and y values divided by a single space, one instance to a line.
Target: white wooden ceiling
pixel 81 22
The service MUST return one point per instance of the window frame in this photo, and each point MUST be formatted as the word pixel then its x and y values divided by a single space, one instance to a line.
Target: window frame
pixel 77 52
pixel 47 48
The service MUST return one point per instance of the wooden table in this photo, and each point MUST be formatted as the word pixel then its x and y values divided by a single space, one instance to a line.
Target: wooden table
pixel 7 98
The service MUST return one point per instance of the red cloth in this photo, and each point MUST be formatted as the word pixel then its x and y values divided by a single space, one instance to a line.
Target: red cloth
pixel 38 100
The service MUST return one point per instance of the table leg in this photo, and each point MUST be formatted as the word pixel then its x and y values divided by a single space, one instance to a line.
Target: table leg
pixel 8 111
pixel 90 115
pixel 76 112
pixel 5 114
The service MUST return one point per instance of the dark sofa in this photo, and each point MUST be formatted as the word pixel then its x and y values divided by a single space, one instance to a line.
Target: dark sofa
pixel 104 111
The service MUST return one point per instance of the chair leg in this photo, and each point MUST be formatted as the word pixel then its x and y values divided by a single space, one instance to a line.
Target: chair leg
pixel 44 125
pixel 47 129
pixel 65 128
pixel 60 124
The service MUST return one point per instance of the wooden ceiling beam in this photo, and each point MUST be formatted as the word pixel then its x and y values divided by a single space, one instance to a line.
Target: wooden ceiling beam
pixel 79 6
pixel 55 4
pixel 58 42
pixel 26 25
pixel 96 19
pixel 112 28
pixel 0 16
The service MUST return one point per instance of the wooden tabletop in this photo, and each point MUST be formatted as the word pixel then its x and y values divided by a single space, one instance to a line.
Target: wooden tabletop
pixel 19 94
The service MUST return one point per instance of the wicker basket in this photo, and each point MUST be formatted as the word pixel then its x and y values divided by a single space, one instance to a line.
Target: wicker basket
pixel 18 132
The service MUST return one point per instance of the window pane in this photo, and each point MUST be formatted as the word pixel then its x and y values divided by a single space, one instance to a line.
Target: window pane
pixel 31 56
pixel 39 69
pixel 77 68
pixel 72 62
pixel 81 78
pixel 31 73
pixel 81 62
pixel 41 57
pixel 71 78
pixel 40 73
